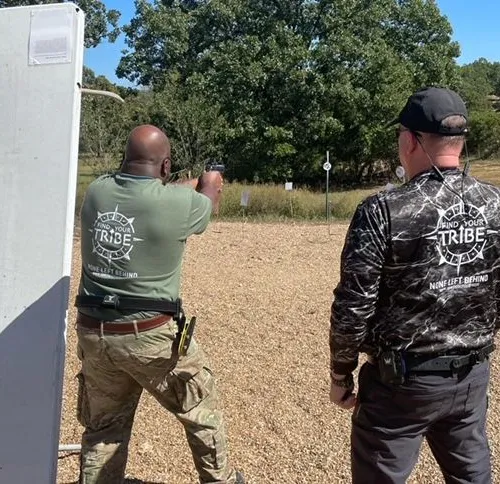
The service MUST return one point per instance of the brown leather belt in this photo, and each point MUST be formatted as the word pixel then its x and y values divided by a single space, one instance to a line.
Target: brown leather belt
pixel 122 328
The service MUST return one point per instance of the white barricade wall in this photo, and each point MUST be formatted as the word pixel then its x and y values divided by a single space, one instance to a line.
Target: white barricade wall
pixel 41 58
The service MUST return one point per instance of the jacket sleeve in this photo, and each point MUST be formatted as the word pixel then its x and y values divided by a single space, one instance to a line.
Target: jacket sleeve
pixel 496 287
pixel 356 295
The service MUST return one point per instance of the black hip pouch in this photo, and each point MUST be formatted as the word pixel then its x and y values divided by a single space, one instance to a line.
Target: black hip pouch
pixel 392 367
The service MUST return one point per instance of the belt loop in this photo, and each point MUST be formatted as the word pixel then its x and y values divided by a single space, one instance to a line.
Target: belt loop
pixel 136 331
pixel 102 330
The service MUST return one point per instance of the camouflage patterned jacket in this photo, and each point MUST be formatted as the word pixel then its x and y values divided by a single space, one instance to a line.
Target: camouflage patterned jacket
pixel 419 270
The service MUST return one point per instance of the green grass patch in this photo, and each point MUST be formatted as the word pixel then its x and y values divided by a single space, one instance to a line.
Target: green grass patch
pixel 486 170
pixel 274 203
pixel 267 202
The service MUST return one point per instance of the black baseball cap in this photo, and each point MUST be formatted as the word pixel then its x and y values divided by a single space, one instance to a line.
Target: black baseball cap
pixel 428 107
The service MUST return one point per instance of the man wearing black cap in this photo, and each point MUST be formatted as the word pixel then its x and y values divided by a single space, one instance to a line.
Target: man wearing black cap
pixel 418 293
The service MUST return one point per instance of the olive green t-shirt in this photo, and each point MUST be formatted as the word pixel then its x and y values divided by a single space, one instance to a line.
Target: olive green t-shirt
pixel 133 235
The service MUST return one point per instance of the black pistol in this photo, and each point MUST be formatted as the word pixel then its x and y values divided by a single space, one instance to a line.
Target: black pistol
pixel 213 166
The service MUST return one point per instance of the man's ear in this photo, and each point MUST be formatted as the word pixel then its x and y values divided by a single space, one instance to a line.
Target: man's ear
pixel 165 167
pixel 410 142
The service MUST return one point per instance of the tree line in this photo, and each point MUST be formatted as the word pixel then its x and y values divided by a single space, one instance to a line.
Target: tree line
pixel 267 87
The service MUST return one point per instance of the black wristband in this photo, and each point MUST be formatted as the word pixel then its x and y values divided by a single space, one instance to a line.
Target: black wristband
pixel 347 382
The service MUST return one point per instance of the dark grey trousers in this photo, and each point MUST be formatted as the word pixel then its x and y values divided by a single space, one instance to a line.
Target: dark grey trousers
pixel 390 422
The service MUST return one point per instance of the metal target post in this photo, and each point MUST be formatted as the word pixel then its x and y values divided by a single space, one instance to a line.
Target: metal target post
pixel 77 448
pixel 289 188
pixel 327 167
pixel 244 202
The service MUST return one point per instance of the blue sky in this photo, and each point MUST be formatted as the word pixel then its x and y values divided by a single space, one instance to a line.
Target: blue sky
pixel 475 25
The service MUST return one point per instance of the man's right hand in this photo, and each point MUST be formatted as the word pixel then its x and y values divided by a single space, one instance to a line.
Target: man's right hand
pixel 211 178
pixel 210 184
pixel 342 394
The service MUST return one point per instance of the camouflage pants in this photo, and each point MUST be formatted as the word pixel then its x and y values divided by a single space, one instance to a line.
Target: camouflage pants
pixel 115 370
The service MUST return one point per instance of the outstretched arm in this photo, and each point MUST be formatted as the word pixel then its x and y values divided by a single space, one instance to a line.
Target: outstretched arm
pixel 209 184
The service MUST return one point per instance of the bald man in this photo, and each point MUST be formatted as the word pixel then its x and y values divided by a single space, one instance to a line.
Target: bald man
pixel 134 228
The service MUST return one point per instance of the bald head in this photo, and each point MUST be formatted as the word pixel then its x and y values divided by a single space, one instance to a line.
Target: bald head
pixel 147 152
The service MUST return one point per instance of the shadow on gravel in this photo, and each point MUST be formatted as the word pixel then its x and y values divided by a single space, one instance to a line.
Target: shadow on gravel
pixel 129 480
pixel 138 481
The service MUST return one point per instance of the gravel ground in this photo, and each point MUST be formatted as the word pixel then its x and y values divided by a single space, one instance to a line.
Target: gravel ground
pixel 262 296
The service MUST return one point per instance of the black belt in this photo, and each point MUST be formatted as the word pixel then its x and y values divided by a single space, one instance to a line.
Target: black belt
pixel 129 303
pixel 427 363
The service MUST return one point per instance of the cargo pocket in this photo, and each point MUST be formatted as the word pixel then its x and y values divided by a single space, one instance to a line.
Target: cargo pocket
pixel 191 390
pixel 82 406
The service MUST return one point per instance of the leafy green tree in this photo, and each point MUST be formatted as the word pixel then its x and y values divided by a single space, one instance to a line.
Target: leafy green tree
pixel 101 23
pixel 480 87
pixel 293 78
pixel 484 138
pixel 193 124
pixel 476 85
pixel 480 83
pixel 105 123
pixel 372 56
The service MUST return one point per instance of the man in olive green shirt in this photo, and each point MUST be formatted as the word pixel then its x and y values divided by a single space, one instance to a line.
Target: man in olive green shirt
pixel 134 229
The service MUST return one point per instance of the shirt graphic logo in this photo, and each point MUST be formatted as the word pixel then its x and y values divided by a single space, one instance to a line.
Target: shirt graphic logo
pixel 461 234
pixel 113 235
